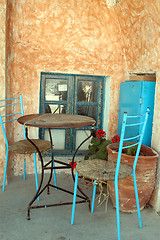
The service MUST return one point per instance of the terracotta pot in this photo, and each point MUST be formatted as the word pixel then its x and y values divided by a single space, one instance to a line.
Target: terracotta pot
pixel 145 176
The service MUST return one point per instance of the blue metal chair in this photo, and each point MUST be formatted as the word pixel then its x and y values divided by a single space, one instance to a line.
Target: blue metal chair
pixel 11 109
pixel 128 121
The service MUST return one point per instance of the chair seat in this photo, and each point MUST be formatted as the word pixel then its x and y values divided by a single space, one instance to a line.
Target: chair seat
pixel 94 169
pixel 25 147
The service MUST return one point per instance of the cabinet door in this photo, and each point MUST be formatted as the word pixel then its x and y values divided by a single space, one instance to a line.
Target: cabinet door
pixel 135 97
pixel 148 94
pixel 130 102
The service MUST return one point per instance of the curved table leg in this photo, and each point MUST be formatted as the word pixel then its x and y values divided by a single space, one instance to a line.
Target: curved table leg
pixel 39 190
pixel 42 176
pixel 53 172
pixel 84 198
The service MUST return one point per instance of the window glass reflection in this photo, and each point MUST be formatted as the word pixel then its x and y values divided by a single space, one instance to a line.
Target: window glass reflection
pixel 56 90
pixel 87 111
pixel 50 108
pixel 87 91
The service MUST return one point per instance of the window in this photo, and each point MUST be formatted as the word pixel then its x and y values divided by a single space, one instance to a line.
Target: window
pixel 71 94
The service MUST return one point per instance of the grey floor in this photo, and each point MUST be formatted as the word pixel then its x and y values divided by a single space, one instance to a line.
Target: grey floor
pixel 54 223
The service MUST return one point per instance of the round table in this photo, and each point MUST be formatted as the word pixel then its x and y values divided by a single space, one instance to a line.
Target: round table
pixel 65 121
pixel 49 120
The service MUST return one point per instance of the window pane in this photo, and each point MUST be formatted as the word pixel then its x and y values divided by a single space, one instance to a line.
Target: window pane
pixel 58 137
pixel 71 94
pixel 80 136
pixel 50 108
pixel 87 91
pixel 87 111
pixel 56 90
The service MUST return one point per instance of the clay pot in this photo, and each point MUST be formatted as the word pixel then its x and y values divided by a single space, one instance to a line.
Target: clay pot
pixel 145 176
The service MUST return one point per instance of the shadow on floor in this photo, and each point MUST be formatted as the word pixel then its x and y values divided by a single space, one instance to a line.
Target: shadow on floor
pixel 54 223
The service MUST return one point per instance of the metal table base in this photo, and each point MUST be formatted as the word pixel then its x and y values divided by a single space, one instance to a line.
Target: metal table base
pixel 46 166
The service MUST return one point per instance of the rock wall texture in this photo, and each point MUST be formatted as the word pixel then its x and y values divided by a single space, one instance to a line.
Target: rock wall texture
pixel 83 37
pixel 2 77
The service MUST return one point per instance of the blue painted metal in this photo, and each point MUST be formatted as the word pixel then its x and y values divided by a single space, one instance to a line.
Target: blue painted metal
pixel 75 194
pixel 35 170
pixel 55 178
pixel 116 175
pixel 139 118
pixel 5 168
pixel 22 114
pixel 3 121
pixel 74 198
pixel 135 97
pixel 24 168
pixel 93 197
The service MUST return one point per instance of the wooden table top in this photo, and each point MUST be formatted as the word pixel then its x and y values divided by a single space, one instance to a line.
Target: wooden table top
pixel 49 120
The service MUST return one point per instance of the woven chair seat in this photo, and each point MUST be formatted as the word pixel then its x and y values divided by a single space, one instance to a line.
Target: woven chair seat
pixel 94 169
pixel 25 147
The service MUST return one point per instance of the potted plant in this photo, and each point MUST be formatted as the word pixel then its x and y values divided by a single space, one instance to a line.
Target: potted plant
pixel 98 146
pixel 145 176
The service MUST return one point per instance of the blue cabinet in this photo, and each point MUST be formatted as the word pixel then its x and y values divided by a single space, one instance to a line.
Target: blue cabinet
pixel 135 97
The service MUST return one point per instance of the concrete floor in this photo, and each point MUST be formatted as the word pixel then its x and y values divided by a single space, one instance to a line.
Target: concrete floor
pixel 54 223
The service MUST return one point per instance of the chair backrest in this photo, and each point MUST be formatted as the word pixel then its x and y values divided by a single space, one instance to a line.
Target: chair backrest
pixel 10 110
pixel 136 140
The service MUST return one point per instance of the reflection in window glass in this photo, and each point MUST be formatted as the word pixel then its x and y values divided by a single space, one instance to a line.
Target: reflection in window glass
pixel 56 90
pixel 87 111
pixel 52 108
pixel 71 94
pixel 87 91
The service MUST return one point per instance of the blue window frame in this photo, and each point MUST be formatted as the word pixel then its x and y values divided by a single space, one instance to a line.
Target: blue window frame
pixel 71 94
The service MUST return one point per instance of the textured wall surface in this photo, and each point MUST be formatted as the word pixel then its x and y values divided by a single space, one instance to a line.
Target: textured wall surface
pixel 85 37
pixel 2 76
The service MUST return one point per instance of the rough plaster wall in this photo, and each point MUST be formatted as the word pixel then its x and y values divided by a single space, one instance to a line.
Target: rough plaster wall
pixel 142 50
pixel 61 36
pixel 2 77
pixel 84 37
pixel 155 199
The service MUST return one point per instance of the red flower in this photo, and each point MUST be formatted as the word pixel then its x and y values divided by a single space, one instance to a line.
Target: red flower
pixel 115 139
pixel 74 164
pixel 100 134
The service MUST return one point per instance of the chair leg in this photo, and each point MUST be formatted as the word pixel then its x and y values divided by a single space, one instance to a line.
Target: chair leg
pixel 117 210
pixel 137 200
pixel 93 196
pixel 55 178
pixel 5 170
pixel 24 169
pixel 35 169
pixel 74 198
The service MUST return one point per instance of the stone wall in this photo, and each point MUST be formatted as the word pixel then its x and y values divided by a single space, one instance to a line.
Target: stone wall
pixel 2 77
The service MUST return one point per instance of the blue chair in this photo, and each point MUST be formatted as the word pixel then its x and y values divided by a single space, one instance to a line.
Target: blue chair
pixel 88 168
pixel 11 110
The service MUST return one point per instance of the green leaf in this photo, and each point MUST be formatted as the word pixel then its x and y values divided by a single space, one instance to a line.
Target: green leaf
pixel 95 141
pixel 102 148
pixel 98 148
pixel 101 155
pixel 92 150
pixel 131 151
